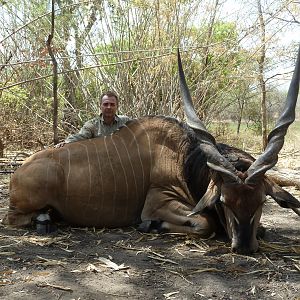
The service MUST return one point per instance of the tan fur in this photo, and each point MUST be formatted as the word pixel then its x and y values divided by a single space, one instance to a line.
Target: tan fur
pixel 104 182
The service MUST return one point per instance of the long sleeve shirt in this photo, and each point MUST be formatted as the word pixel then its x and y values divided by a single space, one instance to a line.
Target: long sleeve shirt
pixel 96 127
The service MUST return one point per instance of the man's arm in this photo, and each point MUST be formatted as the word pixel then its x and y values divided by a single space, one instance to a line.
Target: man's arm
pixel 86 132
pixel 123 119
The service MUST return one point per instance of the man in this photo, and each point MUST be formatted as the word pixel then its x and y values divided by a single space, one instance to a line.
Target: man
pixel 104 124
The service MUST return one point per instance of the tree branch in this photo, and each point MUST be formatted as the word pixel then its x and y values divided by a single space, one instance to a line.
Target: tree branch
pixel 55 75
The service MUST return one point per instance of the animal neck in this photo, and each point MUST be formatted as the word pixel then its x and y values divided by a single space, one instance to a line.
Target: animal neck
pixel 196 172
pixel 162 131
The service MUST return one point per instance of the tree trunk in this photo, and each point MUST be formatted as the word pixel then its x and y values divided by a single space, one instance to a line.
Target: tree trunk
pixel 54 62
pixel 241 104
pixel 262 83
pixel 206 52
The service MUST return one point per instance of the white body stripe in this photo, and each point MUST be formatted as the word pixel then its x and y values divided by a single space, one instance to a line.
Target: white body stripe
pixel 139 157
pixel 68 176
pixel 128 155
pixel 100 174
pixel 125 176
pixel 149 145
pixel 114 176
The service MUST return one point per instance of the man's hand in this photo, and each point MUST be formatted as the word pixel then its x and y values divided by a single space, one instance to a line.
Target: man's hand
pixel 59 145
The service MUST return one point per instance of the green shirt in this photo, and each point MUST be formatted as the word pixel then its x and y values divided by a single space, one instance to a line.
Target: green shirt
pixel 97 127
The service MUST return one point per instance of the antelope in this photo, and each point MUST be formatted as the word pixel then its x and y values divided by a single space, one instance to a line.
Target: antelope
pixel 159 173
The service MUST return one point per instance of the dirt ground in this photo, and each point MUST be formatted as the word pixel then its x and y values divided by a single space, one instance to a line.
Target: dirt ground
pixel 81 263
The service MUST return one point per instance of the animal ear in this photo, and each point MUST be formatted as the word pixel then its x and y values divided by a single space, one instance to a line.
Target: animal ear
pixel 209 199
pixel 227 175
pixel 281 196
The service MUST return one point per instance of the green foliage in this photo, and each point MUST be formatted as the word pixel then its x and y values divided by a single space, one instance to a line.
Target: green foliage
pixel 14 98
pixel 218 70
pixel 215 72
pixel 225 31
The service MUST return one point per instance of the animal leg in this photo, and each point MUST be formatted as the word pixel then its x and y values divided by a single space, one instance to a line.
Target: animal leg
pixel 18 219
pixel 163 212
pixel 203 227
pixel 22 212
pixel 32 191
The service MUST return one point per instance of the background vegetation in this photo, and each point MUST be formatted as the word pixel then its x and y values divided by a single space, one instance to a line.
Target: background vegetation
pixel 238 57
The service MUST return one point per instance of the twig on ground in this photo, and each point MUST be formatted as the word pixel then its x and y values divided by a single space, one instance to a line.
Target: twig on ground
pixel 59 287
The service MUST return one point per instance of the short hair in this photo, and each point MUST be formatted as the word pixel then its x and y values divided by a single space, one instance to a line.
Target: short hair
pixel 109 94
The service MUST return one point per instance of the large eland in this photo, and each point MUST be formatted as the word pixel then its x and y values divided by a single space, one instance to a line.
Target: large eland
pixel 164 174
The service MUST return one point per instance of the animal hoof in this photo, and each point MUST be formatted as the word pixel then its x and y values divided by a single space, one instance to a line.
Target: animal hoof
pixel 44 229
pixel 152 226
pixel 44 225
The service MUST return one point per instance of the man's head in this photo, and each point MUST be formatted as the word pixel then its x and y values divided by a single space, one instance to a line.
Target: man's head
pixel 109 106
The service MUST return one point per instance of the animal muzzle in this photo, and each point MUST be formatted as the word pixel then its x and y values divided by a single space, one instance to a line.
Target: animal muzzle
pixel 244 240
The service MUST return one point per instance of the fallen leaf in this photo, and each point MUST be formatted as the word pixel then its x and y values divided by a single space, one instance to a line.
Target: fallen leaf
pixel 76 271
pixel 93 268
pixel 169 295
pixel 110 264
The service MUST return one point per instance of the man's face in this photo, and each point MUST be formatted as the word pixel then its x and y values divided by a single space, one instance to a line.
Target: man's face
pixel 109 106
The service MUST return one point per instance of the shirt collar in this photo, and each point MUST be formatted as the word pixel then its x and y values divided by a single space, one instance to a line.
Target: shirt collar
pixel 115 120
